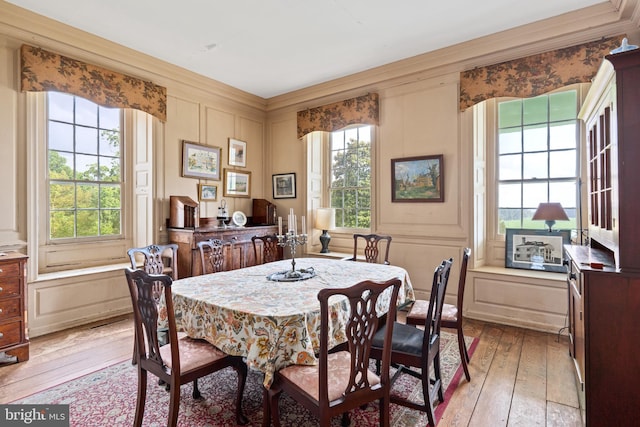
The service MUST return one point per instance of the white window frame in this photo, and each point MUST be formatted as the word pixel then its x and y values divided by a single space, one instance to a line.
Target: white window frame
pixel 51 256
pixel 487 238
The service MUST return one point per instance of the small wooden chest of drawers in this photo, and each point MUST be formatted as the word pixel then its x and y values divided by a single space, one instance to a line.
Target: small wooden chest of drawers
pixel 14 338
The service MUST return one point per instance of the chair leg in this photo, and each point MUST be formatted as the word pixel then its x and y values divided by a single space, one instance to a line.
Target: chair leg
pixel 196 391
pixel 174 404
pixel 464 355
pixel 142 397
pixel 385 418
pixel 241 370
pixel 346 420
pixel 273 409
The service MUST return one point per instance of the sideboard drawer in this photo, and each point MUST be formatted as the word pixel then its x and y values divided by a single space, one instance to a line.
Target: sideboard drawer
pixel 9 270
pixel 9 308
pixel 10 287
pixel 10 333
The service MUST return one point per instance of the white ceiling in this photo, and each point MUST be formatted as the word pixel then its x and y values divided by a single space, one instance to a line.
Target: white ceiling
pixel 271 47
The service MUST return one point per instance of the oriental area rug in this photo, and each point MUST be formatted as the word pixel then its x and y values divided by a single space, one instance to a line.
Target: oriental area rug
pixel 108 398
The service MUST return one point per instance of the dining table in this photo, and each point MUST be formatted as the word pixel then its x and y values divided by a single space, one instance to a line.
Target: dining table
pixel 274 323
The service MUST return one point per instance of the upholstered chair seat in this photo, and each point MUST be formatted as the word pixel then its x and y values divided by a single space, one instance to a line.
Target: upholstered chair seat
pixel 307 377
pixel 193 354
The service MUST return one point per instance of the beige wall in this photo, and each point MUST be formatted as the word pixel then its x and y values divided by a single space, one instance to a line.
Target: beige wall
pixel 419 116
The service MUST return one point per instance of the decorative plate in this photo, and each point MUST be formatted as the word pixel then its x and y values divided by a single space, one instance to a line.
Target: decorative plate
pixel 239 218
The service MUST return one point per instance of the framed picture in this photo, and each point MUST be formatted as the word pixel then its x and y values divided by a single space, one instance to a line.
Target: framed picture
pixel 536 249
pixel 200 161
pixel 207 193
pixel 237 153
pixel 284 186
pixel 236 183
pixel 417 179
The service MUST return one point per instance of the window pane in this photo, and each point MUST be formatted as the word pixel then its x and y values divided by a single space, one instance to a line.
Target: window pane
pixel 535 110
pixel 60 106
pixel 86 112
pixel 535 166
pixel 109 169
pixel 562 105
pixel 60 136
pixel 86 140
pixel 62 224
pixel 86 167
pixel 509 218
pixel 88 223
pixel 510 167
pixel 62 196
pixel 60 165
pixel 563 193
pixel 535 138
pixel 109 143
pixel 562 135
pixel 87 196
pixel 533 193
pixel 109 196
pixel 509 195
pixel 510 113
pixel 562 164
pixel 109 118
pixel 510 141
pixel 110 222
pixel 364 198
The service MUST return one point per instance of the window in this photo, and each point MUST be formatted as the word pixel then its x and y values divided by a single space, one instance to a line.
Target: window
pixel 537 158
pixel 350 187
pixel 84 161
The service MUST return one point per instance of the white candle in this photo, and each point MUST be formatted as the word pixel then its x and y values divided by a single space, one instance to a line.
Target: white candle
pixel 289 222
pixel 279 226
pixel 304 225
pixel 295 225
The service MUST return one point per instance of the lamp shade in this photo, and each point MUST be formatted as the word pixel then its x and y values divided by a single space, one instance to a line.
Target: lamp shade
pixel 550 212
pixel 325 218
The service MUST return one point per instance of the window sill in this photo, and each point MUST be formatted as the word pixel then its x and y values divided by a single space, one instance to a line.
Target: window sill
pixel 532 274
pixel 79 272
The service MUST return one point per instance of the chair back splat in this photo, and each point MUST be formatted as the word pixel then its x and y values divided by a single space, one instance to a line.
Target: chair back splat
pixel 180 361
pixel 270 250
pixel 372 247
pixel 341 381
pixel 419 348
pixel 212 255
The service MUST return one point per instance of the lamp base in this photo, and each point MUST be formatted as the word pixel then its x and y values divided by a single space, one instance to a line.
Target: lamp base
pixel 324 240
pixel 550 223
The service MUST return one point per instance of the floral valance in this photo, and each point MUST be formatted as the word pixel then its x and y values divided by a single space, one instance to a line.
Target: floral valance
pixel 536 74
pixel 42 70
pixel 328 118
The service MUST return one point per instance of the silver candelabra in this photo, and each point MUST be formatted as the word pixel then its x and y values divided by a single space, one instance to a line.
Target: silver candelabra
pixel 292 240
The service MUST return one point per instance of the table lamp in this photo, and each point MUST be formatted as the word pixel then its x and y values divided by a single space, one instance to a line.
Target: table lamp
pixel 550 213
pixel 325 220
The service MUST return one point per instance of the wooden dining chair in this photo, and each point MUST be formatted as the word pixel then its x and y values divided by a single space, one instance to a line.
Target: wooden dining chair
pixel 211 255
pixel 451 314
pixel 413 347
pixel 372 247
pixel 156 259
pixel 341 381
pixel 266 248
pixel 182 360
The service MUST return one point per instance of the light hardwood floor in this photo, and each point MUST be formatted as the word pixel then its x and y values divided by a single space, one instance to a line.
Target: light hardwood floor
pixel 518 377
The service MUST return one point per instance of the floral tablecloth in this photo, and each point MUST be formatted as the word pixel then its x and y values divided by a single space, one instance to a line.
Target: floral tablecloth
pixel 273 324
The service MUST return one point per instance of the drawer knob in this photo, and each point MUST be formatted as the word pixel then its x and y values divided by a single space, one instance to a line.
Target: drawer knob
pixel 0 311
pixel 0 289
pixel 1 335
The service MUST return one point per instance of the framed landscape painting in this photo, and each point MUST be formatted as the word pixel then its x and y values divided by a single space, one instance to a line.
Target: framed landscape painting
pixel 236 183
pixel 540 250
pixel 200 161
pixel 417 179
pixel 237 153
pixel 207 193
pixel 284 186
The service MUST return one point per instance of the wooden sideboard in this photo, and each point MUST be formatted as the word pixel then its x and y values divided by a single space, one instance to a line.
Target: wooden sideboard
pixel 14 337
pixel 238 251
